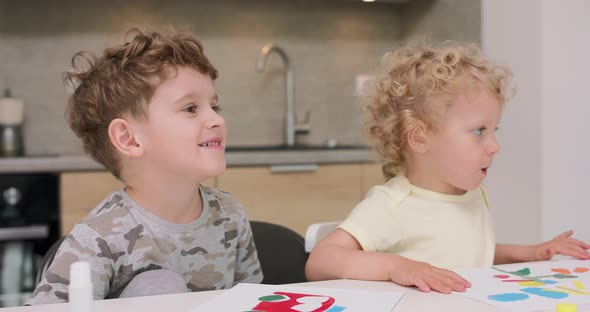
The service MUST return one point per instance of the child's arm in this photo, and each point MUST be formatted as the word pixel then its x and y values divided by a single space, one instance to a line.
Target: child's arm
pixel 82 243
pixel 340 256
pixel 562 244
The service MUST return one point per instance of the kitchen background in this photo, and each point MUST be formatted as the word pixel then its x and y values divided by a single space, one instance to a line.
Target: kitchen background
pixel 329 42
pixel 537 183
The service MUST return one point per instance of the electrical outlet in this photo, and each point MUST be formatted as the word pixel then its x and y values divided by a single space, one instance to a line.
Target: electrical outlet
pixel 361 84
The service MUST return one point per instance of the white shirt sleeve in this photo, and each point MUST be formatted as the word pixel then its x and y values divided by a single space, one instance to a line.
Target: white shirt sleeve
pixel 373 221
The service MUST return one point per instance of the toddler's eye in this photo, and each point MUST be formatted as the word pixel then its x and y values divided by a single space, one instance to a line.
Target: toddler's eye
pixel 217 108
pixel 479 131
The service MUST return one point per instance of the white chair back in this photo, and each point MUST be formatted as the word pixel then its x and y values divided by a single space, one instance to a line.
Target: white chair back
pixel 317 231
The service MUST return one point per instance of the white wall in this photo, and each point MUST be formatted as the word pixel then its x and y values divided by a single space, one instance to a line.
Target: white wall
pixel 566 109
pixel 537 186
pixel 511 36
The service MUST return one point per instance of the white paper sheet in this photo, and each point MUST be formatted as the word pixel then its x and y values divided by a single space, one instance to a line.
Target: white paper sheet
pixel 283 298
pixel 531 286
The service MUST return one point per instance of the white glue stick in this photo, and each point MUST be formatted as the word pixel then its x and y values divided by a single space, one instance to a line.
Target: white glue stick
pixel 80 290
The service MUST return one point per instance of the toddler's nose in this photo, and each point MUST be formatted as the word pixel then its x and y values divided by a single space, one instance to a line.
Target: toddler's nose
pixel 493 146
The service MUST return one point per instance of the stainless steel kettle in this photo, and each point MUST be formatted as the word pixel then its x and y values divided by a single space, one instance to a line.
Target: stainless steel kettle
pixel 11 126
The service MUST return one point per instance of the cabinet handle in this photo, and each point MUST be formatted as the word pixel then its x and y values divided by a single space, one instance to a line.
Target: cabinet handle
pixel 293 168
pixel 24 232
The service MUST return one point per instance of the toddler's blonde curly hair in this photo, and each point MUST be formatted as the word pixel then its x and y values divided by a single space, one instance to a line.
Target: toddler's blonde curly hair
pixel 419 81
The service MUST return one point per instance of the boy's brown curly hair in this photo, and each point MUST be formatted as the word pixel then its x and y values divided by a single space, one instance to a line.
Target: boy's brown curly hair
pixel 419 81
pixel 120 83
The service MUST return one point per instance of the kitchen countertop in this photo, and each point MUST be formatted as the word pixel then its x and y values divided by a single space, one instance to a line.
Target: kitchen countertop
pixel 64 163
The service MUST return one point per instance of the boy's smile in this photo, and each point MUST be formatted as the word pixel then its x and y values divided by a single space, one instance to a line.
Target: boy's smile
pixel 213 143
pixel 184 136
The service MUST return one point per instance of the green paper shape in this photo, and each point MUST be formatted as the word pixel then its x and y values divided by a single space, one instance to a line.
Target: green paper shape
pixel 522 272
pixel 272 298
pixel 563 276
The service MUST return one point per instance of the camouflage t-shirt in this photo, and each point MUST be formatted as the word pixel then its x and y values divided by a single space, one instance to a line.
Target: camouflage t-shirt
pixel 120 239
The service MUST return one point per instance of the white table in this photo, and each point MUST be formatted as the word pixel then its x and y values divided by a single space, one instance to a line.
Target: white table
pixel 413 301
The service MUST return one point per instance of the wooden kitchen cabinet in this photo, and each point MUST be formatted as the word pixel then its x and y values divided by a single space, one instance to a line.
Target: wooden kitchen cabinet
pixel 83 191
pixel 295 199
pixel 371 175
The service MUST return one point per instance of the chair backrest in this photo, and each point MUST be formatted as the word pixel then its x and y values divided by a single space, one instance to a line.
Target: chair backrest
pixel 47 259
pixel 317 231
pixel 281 252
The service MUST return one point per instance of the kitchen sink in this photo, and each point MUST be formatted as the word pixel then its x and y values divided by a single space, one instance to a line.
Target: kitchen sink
pixel 283 148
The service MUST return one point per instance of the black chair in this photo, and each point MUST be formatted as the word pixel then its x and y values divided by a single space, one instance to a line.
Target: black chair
pixel 281 252
pixel 47 259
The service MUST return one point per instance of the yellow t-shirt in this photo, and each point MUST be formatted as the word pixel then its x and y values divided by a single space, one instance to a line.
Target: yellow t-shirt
pixel 447 231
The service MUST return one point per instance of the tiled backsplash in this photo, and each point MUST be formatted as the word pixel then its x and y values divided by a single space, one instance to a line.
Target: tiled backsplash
pixel 328 42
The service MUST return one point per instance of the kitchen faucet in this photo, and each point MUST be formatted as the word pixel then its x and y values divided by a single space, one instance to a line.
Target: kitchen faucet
pixel 290 127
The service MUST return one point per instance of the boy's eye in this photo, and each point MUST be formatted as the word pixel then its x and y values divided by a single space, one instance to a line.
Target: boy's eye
pixel 217 108
pixel 191 108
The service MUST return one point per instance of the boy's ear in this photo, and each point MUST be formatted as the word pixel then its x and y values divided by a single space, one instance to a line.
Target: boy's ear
pixel 123 138
pixel 418 137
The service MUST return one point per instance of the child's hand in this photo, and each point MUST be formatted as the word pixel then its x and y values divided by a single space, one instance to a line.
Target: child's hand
pixel 427 277
pixel 562 244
